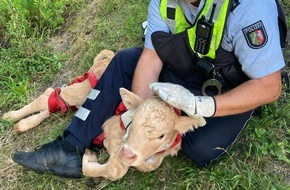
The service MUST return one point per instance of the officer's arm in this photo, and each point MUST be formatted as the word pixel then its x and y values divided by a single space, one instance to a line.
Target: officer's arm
pixel 245 97
pixel 147 71
pixel 249 95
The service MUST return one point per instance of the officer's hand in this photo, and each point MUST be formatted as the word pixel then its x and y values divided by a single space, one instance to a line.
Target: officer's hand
pixel 181 98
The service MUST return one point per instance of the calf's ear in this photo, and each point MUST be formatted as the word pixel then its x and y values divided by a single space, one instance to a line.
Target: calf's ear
pixel 185 123
pixel 130 99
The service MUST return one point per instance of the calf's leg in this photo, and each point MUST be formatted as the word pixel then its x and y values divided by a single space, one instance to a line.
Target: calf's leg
pixel 31 122
pixel 113 170
pixel 37 105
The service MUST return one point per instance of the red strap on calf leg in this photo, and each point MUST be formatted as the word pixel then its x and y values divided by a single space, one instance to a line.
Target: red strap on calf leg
pixel 99 139
pixel 56 103
pixel 89 75
pixel 52 102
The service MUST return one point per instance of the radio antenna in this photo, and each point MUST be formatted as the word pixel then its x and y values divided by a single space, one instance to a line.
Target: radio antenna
pixel 212 12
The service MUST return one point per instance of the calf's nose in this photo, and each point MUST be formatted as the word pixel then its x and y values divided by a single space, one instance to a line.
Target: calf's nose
pixel 127 156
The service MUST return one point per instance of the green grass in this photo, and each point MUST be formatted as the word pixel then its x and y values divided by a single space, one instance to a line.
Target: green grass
pixel 258 160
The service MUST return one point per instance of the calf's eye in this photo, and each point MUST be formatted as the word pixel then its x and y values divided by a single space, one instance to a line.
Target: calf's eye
pixel 161 136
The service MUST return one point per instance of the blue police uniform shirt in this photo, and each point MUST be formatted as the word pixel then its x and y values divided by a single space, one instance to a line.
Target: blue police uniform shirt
pixel 251 32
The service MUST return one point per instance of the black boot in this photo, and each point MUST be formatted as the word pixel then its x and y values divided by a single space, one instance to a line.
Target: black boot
pixel 58 157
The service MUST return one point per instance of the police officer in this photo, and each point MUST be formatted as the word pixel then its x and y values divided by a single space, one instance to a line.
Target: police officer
pixel 234 46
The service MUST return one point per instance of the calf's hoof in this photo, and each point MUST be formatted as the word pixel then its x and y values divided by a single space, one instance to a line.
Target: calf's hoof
pixel 89 156
pixel 10 116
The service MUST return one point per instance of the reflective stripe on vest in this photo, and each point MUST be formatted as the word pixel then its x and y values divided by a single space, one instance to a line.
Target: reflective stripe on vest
pixel 178 23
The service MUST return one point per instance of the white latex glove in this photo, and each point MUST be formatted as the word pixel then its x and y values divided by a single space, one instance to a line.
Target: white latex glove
pixel 181 98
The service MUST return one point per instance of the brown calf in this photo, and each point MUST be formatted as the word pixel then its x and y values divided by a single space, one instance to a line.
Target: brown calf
pixel 154 132
pixel 71 96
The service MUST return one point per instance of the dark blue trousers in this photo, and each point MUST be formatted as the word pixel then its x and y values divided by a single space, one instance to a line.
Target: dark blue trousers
pixel 201 146
pixel 87 125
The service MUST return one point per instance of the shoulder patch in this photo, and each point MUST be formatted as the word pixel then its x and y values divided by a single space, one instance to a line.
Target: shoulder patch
pixel 256 35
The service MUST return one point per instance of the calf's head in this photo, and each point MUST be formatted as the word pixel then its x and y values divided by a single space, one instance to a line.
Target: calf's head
pixel 154 128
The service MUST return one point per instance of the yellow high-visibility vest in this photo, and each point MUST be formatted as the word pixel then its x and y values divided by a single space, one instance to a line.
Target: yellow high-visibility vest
pixel 171 12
